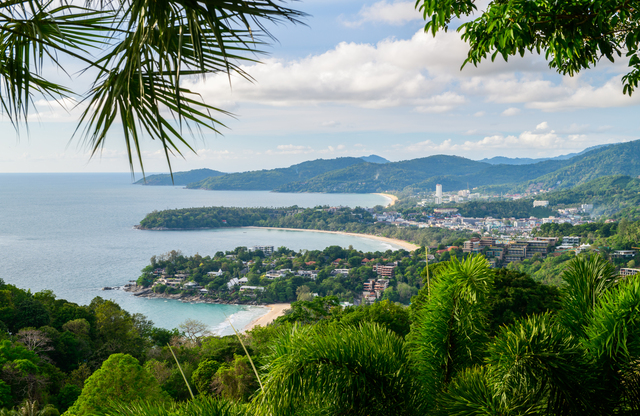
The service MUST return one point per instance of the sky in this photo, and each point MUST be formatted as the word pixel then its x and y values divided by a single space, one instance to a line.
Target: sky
pixel 359 78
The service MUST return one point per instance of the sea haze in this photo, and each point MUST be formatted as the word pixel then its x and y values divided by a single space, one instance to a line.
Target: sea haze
pixel 73 234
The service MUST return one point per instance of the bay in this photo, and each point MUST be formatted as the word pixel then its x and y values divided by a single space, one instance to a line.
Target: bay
pixel 73 234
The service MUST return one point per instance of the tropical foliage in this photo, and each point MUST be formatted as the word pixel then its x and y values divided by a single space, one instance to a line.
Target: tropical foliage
pixel 137 53
pixel 572 36
pixel 475 341
pixel 356 220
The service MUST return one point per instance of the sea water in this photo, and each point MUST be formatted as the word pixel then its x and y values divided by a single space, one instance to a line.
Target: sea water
pixel 73 234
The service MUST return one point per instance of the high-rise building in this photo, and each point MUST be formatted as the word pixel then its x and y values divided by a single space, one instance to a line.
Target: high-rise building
pixel 438 191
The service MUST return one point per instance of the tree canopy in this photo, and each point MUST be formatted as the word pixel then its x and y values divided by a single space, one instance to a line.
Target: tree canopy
pixel 573 35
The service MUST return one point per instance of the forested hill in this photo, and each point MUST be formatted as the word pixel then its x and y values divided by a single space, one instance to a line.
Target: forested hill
pixel 456 173
pixel 179 178
pixel 372 177
pixel 267 180
pixel 452 172
pixel 350 174
pixel 618 159
pixel 617 196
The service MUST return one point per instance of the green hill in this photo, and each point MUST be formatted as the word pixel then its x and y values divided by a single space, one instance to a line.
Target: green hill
pixel 452 172
pixel 456 173
pixel 615 196
pixel 268 180
pixel 179 178
pixel 371 177
pixel 618 159
pixel 356 175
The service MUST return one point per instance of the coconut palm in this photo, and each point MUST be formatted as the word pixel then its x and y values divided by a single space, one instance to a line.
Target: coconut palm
pixel 137 52
pixel 339 370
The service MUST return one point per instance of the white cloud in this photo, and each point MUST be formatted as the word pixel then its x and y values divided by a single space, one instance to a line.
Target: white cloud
pixel 542 126
pixel 441 103
pixel 391 73
pixel 331 123
pixel 396 13
pixel 289 149
pixel 588 96
pixel 422 73
pixel 512 111
pixel 525 141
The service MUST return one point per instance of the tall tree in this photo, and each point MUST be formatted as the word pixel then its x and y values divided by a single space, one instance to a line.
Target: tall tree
pixel 572 35
pixel 120 378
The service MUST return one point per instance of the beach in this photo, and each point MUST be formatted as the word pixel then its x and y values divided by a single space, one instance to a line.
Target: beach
pixel 404 244
pixel 393 198
pixel 277 309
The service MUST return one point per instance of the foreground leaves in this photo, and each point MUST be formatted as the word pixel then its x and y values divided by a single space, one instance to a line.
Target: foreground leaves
pixel 339 370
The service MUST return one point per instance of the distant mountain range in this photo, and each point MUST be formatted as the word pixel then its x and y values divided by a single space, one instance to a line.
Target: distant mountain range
pixel 501 160
pixel 376 174
pixel 179 178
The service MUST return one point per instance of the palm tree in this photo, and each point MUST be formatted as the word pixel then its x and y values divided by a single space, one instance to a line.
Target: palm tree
pixel 137 53
pixel 450 328
pixel 339 370
pixel 583 360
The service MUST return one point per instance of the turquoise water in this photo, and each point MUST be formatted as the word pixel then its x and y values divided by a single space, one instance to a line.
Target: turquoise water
pixel 73 234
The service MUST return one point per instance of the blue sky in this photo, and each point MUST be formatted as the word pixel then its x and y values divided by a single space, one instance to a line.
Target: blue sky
pixel 362 78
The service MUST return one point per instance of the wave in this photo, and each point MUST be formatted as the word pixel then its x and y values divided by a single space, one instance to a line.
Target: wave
pixel 239 320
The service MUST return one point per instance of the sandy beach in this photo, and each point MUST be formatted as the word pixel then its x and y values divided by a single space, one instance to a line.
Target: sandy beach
pixel 393 198
pixel 277 309
pixel 404 244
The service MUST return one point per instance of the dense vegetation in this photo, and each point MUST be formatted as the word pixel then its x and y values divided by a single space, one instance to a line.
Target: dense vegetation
pixel 356 220
pixel 179 178
pixel 57 355
pixel 520 208
pixel 612 196
pixel 271 179
pixel 512 344
pixel 49 347
pixel 253 266
pixel 355 175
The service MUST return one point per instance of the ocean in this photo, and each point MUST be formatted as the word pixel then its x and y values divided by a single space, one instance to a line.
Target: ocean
pixel 73 234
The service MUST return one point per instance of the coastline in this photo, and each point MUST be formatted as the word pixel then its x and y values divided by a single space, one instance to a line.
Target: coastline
pixel 404 244
pixel 393 198
pixel 276 310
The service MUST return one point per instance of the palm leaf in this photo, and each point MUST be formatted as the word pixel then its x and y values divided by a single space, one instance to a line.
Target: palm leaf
pixel 586 280
pixel 339 370
pixel 146 46
pixel 449 332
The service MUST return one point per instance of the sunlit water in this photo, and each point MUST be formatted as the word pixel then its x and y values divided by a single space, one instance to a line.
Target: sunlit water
pixel 73 234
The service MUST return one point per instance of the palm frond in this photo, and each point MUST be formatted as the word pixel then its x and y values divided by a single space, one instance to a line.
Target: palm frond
pixel 613 341
pixel 586 280
pixel 537 364
pixel 145 48
pixel 197 407
pixel 340 370
pixel 448 334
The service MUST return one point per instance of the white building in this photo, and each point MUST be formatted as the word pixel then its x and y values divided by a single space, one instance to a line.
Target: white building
pixel 540 204
pixel 570 240
pixel 586 207
pixel 267 250
pixel 438 191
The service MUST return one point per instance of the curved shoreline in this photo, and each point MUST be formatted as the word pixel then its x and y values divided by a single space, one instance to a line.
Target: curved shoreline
pixel 404 244
pixel 393 198
pixel 275 310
